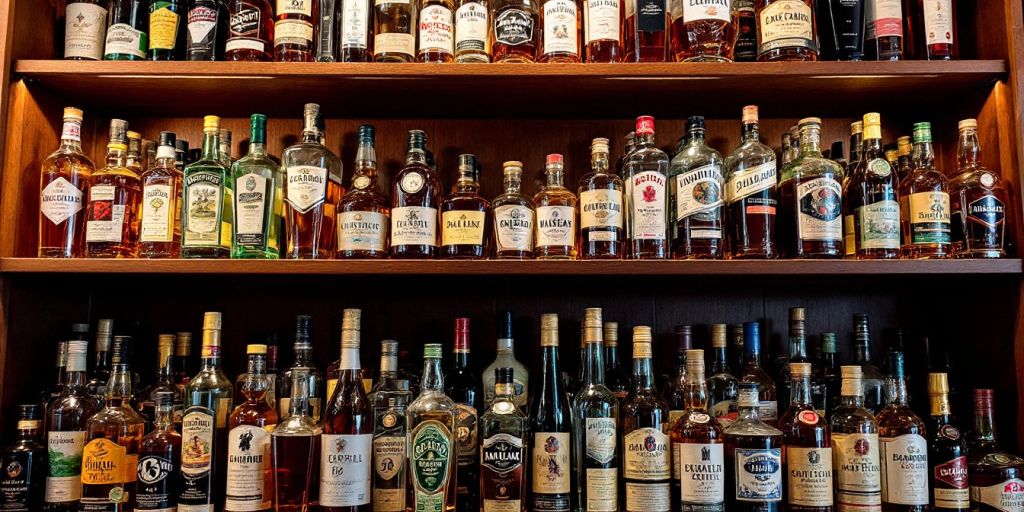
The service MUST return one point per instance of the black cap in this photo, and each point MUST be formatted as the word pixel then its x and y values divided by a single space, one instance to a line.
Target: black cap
pixel 504 324
pixel 181 146
pixel 417 139
pixel 684 337
pixel 366 134
pixel 694 123
pixel 120 351
pixel 30 412
pixel 163 398
pixel 503 375
pixel 302 328
pixel 80 328
pixel 837 152
pixel 894 364
pixel 167 139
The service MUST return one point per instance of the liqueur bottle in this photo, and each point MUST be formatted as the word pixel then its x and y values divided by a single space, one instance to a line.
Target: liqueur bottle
pixel 347 440
pixel 97 384
pixel 871 377
pixel 295 451
pixel 646 31
pixel 947 451
pixel 111 225
pixel 160 458
pixel 995 477
pixel 753 458
pixel 250 31
pixel 355 31
pixel 295 30
pixel 85 25
pixel 750 193
pixel 249 479
pixel 596 413
pixel 127 26
pixel 394 31
pixel 936 31
pixel 884 34
pixel 855 450
pixel 557 215
pixel 66 416
pixel 645 172
pixel 389 399
pixel 166 29
pixel 431 420
pixel 253 180
pixel 514 217
pixel 810 200
pixel 304 365
pixel 645 442
pixel 805 435
pixel 698 458
pixel 675 395
pixel 206 216
pixel 160 212
pixel 465 216
pixel 436 31
pixel 744 18
pixel 562 29
pixel 164 383
pixel 703 31
pixel 872 210
pixel 768 408
pixel 722 399
pixel 472 24
pixel 514 33
pixel 503 446
pixel 615 376
pixel 23 482
pixel 206 30
pixel 551 426
pixel 415 199
pixel 696 197
pixel 600 193
pixel 924 203
pixel 904 448
pixel 64 182
pixel 978 199
pixel 506 358
pixel 363 211
pixel 786 31
pixel 464 390
pixel 603 30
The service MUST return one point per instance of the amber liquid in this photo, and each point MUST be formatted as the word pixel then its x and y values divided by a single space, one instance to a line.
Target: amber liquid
pixel 265 32
pixel 643 46
pixel 753 223
pixel 67 239
pixel 604 50
pixel 348 413
pixel 311 235
pixel 702 40
pixel 296 481
pixel 687 247
pixel 798 434
pixel 469 251
pixel 791 245
pixel 366 200
pixel 127 192
pixel 298 52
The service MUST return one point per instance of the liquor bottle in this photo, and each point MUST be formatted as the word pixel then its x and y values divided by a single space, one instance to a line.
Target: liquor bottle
pixel 753 458
pixel 646 28
pixel 295 451
pixel 160 458
pixel 702 31
pixel 514 217
pixel 872 210
pixel 905 162
pixel 645 172
pixel 596 413
pixel 204 426
pixel 355 30
pixel 389 399
pixel 936 30
pixel 645 441
pixel 603 30
pixel 698 459
pixel 562 28
pixel 722 399
pixel 127 26
pixel 436 31
pixel 786 31
pixel 557 214
pixel 253 180
pixel 224 147
pixel 744 18
pixel 750 193
pixel 978 199
pixel 113 435
pixel 504 428
pixel 784 149
pixel 600 193
pixel 891 155
pixel 249 482
pixel 160 209
pixel 884 33
pixel 294 30
pixel 768 408
pixel 924 203
pixel 394 31
pixel 164 383
pixel 855 449
pixel 551 426
pixel 797 352
pixel 133 158
pixel 615 376
pixel 464 390
pixel 303 364
pixel 995 476
pixel 805 435
pixel 51 392
pixel 696 201
pixel 871 377
pixel 415 199
pixel 206 217
pixel 250 31
pixel 825 386
pixel 23 482
pixel 514 31
pixel 506 358
pixel 431 420
pixel 311 191
pixel 85 25
pixel 903 451
pixel 981 440
pixel 629 145
pixel 111 225
pixel 947 451
pixel 363 211
pixel 675 395
pixel 97 384
pixel 345 449
pixel 738 348
pixel 810 200
pixel 465 216
pixel 207 30
pixel 64 181
pixel 166 29
pixel 181 153
pixel 182 359
pixel 843 25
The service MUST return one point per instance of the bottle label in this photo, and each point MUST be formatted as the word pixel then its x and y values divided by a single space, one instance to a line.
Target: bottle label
pixel 204 194
pixel 501 460
pixel 938 22
pixel 413 225
pixel 157 224
pixel 345 470
pixel 123 39
pixel 988 211
pixel 810 476
pixel 430 458
pixel 60 200
pixel 820 205
pixel 646 191
pixel 904 469
pixel 197 427
pixel 697 10
pixel 601 208
pixel 560 36
pixel 879 225
pixel 551 463
pixel 513 225
pixel 750 181
pixel 928 213
pixel 248 467
pixel 155 489
pixel 602 489
pixel 646 455
pixel 1007 496
pixel 362 231
pixel 63 480
pixel 104 462
pixel 250 209
pixel 701 473
pixel 650 15
pixel 163 28
pixel 466 432
pixel 355 19
pixel 849 235
pixel 302 7
pixel 245 24
pixel 462 227
pixel 785 24
pixel 84 27
pixel 885 19
pixel 768 410
pixel 471 27
pixel 699 191
pixel 514 27
pixel 857 471
pixel 202 29
pixel 394 42
pixel 436 29
pixel 388 462
pixel 954 493
pixel 306 187
pixel 293 32
pixel 725 412
pixel 555 226
pixel 600 439
pixel 648 497
pixel 602 19
pixel 106 224
pixel 758 474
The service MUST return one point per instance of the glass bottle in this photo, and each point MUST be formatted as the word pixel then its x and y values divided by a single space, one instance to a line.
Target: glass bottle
pixel 600 193
pixel 160 458
pixel 514 33
pixel 97 384
pixel 206 30
pixel 884 33
pixel 675 395
pixel 504 428
pixel 561 22
pixel 389 399
pixel 768 408
pixel 753 458
pixel 166 30
pixel 355 30
pixel 602 31
pixel 85 28
pixel 394 31
pixel 646 28
pixel 415 199
pixel 904 150
pixel 981 440
pixel 431 420
pixel 872 208
pixel 295 451
pixel 160 212
pixel 924 203
pixel 738 348
pixel 904 448
pixel 464 390
pixel 506 358
pixel 645 172
pixel 305 365
pixel 50 392
pixel 805 435
pixel 698 468
pixel 557 215
pixel 744 18
pixel 855 449
pixel 164 383
pixel 936 30
pixel 978 198
pixel 810 200
pixel 472 24
pixel 111 226
pixel 64 182
pixel 703 31
pixel 947 451
pixel 206 216
pixel 514 217
pixel 645 441
pixel 786 31
pixel 133 159
pixel 750 192
pixel 629 144
pixel 696 200
pixel 295 30
pixel 182 359
pixel 126 31
pixel 465 216
pixel 249 476
pixel 994 476
pixel 596 413
pixel 825 386
pixel 363 211
pixel 250 31
pixel 871 376
pixel 615 376
pixel 253 180
pixel 551 426
pixel 436 31
pixel 721 401
pixel 23 482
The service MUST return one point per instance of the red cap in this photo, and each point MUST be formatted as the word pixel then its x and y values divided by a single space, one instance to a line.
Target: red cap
pixel 462 334
pixel 983 399
pixel 644 125
pixel 555 158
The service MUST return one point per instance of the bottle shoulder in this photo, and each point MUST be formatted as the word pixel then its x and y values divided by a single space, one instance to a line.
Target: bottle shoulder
pixel 599 181
pixel 751 427
pixel 465 201
pixel 508 199
pixel 924 179
pixel 68 158
pixel 749 154
pixel 808 167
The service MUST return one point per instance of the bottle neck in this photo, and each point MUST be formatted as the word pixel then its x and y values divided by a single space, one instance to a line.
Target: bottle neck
pixel 810 139
pixel 416 156
pixel 119 386
pixel 257 149
pixel 968 151
pixel 593 370
pixel 984 423
pixel 747 412
pixel 612 355
pixel 752 359
pixel 828 360
pixel 163 418
pixel 255 385
pixel 462 359
pixel 303 354
pixel 750 133
pixel 644 139
pixel 925 155
pixel 896 390
pixel 851 393
pixel 800 391
pixel 643 375
pixel 798 347
pixel 116 156
pixel 554 177
pixel 433 379
pixel 696 137
pixel 388 367
pixel 298 404
pixel 695 393
pixel 211 358
pixel 211 145
pixel 719 361
pixel 513 183
pixel 366 162
pixel 940 407
pixel 873 149
pixel 75 380
pixel 599 162
pixel 102 360
pixel 310 134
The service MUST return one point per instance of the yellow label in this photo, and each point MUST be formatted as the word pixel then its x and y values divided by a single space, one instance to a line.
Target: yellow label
pixel 849 235
pixel 103 462
pixel 331 384
pixel 163 29
pixel 225 234
pixel 462 227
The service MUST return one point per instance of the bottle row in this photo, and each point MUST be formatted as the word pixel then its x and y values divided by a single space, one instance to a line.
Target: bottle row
pixel 510 31
pixel 712 441
pixel 695 205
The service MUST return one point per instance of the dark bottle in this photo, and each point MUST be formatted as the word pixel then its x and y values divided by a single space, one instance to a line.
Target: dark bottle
pixel 101 371
pixel 183 370
pixel 249 481
pixel 51 392
pixel 932 29
pixel 180 154
pixel 465 216
pixel 551 451
pixel 207 30
pixel 126 30
pixel 160 457
pixel 615 376
pixel 415 198
pixel 647 31
pixel 675 394
pixel 884 33
pixel 737 349
pixel 872 209
pixel 745 20
pixel 24 463
pixel 825 385
pixel 797 352
pixel 464 389
pixel 167 31
pixel 645 442
pixel 808 446
pixel 768 408
pixel 750 192
pixel 846 21
pixel 753 458
pixel 250 31
pixel 947 451
pixel 981 440
pixel 164 382
pixel 872 377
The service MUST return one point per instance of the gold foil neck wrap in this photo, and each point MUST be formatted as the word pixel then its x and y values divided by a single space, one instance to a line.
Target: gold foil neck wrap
pixel 183 344
pixel 211 124
pixel 592 326
pixel 797 314
pixel 851 381
pixel 642 334
pixel 611 333
pixel 350 328
pixel 718 334
pixel 938 384
pixel 872 126
pixel 104 333
pixel 695 363
pixel 749 114
pixel 549 330
pixel 855 127
pixel 165 348
pixel 851 371
pixel 256 348
pixel 800 369
pixel 212 320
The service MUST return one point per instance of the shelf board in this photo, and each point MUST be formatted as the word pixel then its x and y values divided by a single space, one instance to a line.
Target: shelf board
pixel 922 268
pixel 175 89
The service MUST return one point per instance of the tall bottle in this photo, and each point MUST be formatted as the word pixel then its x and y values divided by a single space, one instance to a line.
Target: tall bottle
pixel 127 27
pixel 934 30
pixel 465 216
pixel 904 448
pixel 167 27
pixel 431 419
pixel 415 199
pixel 364 210
pixel 514 216
pixel 981 440
pixel 389 399
pixel 160 210
pixel 810 200
pixel 978 201
pixel 805 435
pixel 753 458
pixel 111 226
pixel 66 418
pixel 645 172
pixel 884 34
pixel 645 442
pixel 872 212
pixel 557 214
pixel 797 352
pixel 871 377
pixel 551 427
pixel 947 451
pixel 506 358
pixel 768 408
pixel 600 193
pixel 23 482
pixel 722 397
pixel 855 450
pixel 295 451
pixel 253 177
pixel 615 376
pixel 696 197
pixel 305 365
pixel 64 183
pixel 159 459
pixel 464 389
pixel 97 383
pixel 597 417
pixel 295 30
pixel 676 393
pixel 85 25
pixel 750 192
pixel 504 431
pixel 698 455
pixel 249 484
pixel 924 203
pixel 206 217
pixel 825 386
pixel 164 382
pixel 206 30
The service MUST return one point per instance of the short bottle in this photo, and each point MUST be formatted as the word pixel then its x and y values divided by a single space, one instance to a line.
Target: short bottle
pixel 504 442
pixel 465 216
pixel 254 180
pixel 995 476
pixel 808 446
pixel 646 448
pixel 903 449
pixel 871 215
pixel 978 201
pixel 809 221
pixel 111 226
pixel 364 210
pixel 645 173
pixel 64 188
pixel 250 31
pixel 602 30
pixel 702 31
pixel 698 449
pixel 557 215
pixel 23 482
pixel 159 459
pixel 947 451
pixel 431 420
pixel 515 31
pixel 514 217
pixel 160 211
pixel 561 29
pixel 394 31
pixel 855 449
pixel 207 214
pixel 924 203
pixel 696 200
pixel 786 31
pixel 415 199
pixel 751 194
pixel 436 31
pixel 753 458
pixel 601 218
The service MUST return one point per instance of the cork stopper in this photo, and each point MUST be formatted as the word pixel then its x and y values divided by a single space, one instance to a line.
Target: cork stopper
pixel 810 121
pixel 211 124
pixel 718 333
pixel 851 380
pixel 684 338
pixel 77 352
pixel 73 114
pixel 549 330
pixel 611 333
pixel 256 348
pixel 967 124
pixel 749 114
pixel 800 370
pixel 592 325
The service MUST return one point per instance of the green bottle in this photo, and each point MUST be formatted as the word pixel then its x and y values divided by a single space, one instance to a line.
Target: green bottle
pixel 206 216
pixel 252 177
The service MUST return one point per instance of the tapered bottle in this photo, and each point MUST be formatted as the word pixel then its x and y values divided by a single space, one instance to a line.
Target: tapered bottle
pixel 616 377
pixel 206 215
pixel 874 391
pixel 808 447
pixel 645 443
pixel 601 218
pixel 551 427
pixel 947 451
pixel 750 192
pixel 753 458
pixel 721 403
pixel 768 408
pixel 249 484
pixel 924 203
pixel 645 172
pixel 871 196
pixel 506 358
pixel 363 213
pixel 305 365
pixel 675 395
pixel 597 417
pixel 254 180
pixel 696 198
pixel 431 419
pixel 464 389
pixel 111 226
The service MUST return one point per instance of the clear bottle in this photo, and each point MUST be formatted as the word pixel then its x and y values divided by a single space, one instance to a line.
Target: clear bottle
pixel 615 376
pixel 872 212
pixel 23 482
pixel 514 33
pixel 601 217
pixel 97 384
pixel 506 358
pixel 305 365
pixel 947 451
pixel 64 184
pixel 253 178
pixel 855 449
pixel 924 203
pixel 750 192
pixel 551 430
pixel 465 216
pixel 698 455
pixel 645 171
pixel 353 32
pixel 504 431
pixel 389 398
pixel 432 449
pixel 810 223
pixel 164 383
pixel 472 24
pixel 808 446
pixel 722 398
pixel 415 199
pixel 703 32
pixel 295 451
pixel 557 215
pixel 463 388
pixel 768 408
pixel 978 200
pixel 249 483
pixel 112 222
pixel 696 197
pixel 602 30
pixel 160 209
pixel 797 353
pixel 206 218
pixel 364 210
pixel 981 440
pixel 561 24
pixel 646 449
pixel 874 393
pixel 159 458
pixel 514 217
pixel 903 448
pixel 753 458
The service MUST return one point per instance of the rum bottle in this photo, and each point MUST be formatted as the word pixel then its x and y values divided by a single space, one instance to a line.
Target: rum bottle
pixel 904 448
pixel 304 365
pixel 871 197
pixel 646 31
pixel 354 31
pixel 431 420
pixel 645 441
pixel 23 482
pixel 160 458
pixel 415 199
pixel 805 435
pixel 85 25
pixel 206 217
pixel 465 216
pixel 871 377
pixel 675 395
pixel 603 30
pixel 464 390
pixel 722 399
pixel 514 217
pixel 436 31
pixel 64 182
pixel 698 455
pixel 254 180
pixel 514 31
pixel 768 408
pixel 855 456
pixel 557 215
pixel 753 458
pixel 810 200
pixel 947 451
pixel 206 30
pixel 389 399
pixel 615 376
pixel 364 210
pixel 506 358
pixel 160 213
pixel 702 31
pixel 504 428
pixel 394 31
pixel 249 479
pixel 924 203
pixel 250 31
pixel 294 30
pixel 786 31
pixel 884 34
pixel 551 427
pixel 750 192
pixel 112 224
pixel 561 22
pixel 696 199
pixel 295 451
pixel 66 417
pixel 472 25
pixel 601 219
pixel 645 172
pixel 978 201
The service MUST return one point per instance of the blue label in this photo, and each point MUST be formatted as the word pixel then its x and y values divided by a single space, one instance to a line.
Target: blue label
pixel 758 474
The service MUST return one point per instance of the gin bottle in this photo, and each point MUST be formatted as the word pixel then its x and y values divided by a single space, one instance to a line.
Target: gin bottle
pixel 597 417
pixel 206 217
pixel 600 192
pixel 645 172
pixel 855 461
pixel 698 456
pixel 431 421
pixel 389 399
pixel 722 398
pixel 696 198
pixel 253 179
pixel 750 192
pixel 514 217
pixel 551 430
pixel 64 186
pixel 363 211
pixel 503 446
pixel 295 451
pixel 924 203
pixel 506 358
pixel 645 441
pixel 753 458
pixel 809 221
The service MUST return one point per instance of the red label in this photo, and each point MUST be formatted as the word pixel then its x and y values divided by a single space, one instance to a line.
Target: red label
pixel 644 125
pixel 809 417
pixel 953 473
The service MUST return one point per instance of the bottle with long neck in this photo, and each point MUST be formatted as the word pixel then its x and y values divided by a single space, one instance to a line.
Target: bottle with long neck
pixel 615 376
pixel 768 408
pixel 722 404
pixel 164 382
pixel 206 215
pixel 808 460
pixel 249 478
pixel 825 384
pixel 698 456
pixel 597 417
pixel 432 439
pixel 51 392
pixel 97 384
pixel 947 451
pixel 506 358
pixel 63 185
pixel 504 431
pixel 797 352
pixel 182 359
pixel 551 429
pixel 66 418
pixel 303 364
pixel 160 457
pixel 644 437
pixel 363 210
pixel 389 399
pixel 995 476
pixel 295 451
pixel 256 228
pixel 646 172
pixel 750 192
pixel 872 210
pixel 855 448
pixel 872 378
pixel 981 440
pixel 924 203
pixel 464 389
pixel 676 393
pixel 753 458
pixel 903 449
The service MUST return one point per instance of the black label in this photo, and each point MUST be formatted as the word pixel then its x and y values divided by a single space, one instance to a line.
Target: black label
pixel 513 27
pixel 987 211
pixel 822 203
pixel 202 32
pixel 500 455
pixel 157 483
pixel 650 15
pixel 245 22
pixel 14 485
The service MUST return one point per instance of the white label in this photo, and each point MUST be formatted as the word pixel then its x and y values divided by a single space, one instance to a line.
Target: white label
pixel 560 17
pixel 362 231
pixel 63 480
pixel 646 191
pixel 355 18
pixel 696 10
pixel 394 42
pixel 879 225
pixel 646 455
pixel 885 18
pixel 388 455
pixel 750 181
pixel 938 22
pixel 60 200
pixel 857 472
pixel 304 7
pixel 904 469
pixel 602 489
pixel 602 19
pixel 551 463
pixel 84 28
pixel 1007 496
pixel 556 226
pixel 240 43
pixel 600 439
pixel 345 470
pixel 809 476
pixel 785 23
pixel 248 468
pixel 413 225
pixel 601 208
pixel 819 208
pixel 306 187
pixel 123 39
pixel 250 204
pixel 758 475
pixel 768 410
pixel 701 472
pixel 436 29
pixel 513 225
pixel 72 131
pixel 157 224
pixel 648 497
pixel 698 191
pixel 471 27
pixel 295 32
pixel 109 228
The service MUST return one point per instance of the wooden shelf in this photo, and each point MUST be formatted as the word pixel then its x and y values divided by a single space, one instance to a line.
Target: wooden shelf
pixel 512 90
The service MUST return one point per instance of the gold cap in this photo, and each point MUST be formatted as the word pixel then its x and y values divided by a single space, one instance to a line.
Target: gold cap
pixel 872 125
pixel 212 320
pixel 611 333
pixel 256 348
pixel 351 318
pixel 642 334
pixel 211 123
pixel 592 325
pixel 967 123
pixel 851 371
pixel 810 120
pixel 599 145
pixel 904 147
pixel 800 369
pixel 165 340
pixel 512 163
pixel 855 127
pixel 749 114
pixel 938 384
pixel 695 360
pixel 134 135
pixel 549 330
pixel 183 344
pixel 73 113
pixel 797 314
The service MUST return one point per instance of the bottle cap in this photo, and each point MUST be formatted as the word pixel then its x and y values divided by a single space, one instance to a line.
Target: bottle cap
pixel 211 123
pixel 599 145
pixel 922 132
pixel 611 333
pixel 512 164
pixel 938 384
pixel 256 348
pixel 752 337
pixel 503 375
pixel 167 139
pixel 183 343
pixel 81 328
pixel 856 127
pixel 797 314
pixel 718 333
pixel 694 123
pixel 163 398
pixel 549 330
pixel 641 334
pixel 644 125
pixel 800 369
pixel 72 113
pixel 467 163
pixel 592 325
pixel 828 342
pixel 504 324
pixel 967 124
pixel 749 114
pixel 119 350
pixel 133 136
pixel 302 329
pixel 462 335
pixel 807 121
pixel 684 338
pixel 104 330
pixel 851 371
pixel 432 351
pixel 554 159
pixel 118 133
pixel 695 360
pixel 872 125
pixel 310 109
pixel 366 134
pixel 417 139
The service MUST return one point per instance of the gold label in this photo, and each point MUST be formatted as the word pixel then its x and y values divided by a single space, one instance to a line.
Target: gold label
pixel 103 463
pixel 462 227
pixel 163 29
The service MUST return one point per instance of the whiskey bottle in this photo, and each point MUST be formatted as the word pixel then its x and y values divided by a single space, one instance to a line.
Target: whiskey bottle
pixel 947 451
pixel 702 31
pixel 133 158
pixel 294 30
pixel 981 440
pixel 303 364
pixel 431 420
pixel 645 441
pixel 250 31
pixel 514 31
pixel 924 203
pixel 603 30
pixel 722 399
pixel 472 24
pixel 696 197
pixel 600 193
pixel 389 399
pixel 805 435
pixel 810 199
pixel 249 483
pixel 884 34
pixel 871 377
pixel 698 458
pixel 64 181
pixel 506 358
pixel 436 31
pixel 904 448
pixel 936 32
pixel 206 217
pixel 768 408
pixel 167 29
pixel 66 418
pixel 645 172
pixel 111 225
pixel 465 216
pixel 855 450
pixel 415 199
pixel 514 217
pixel 872 205
pixel 85 25
pixel 394 31
pixel 675 395
pixel 160 458
pixel 995 477
pixel 346 443
pixel 786 31
pixel 551 426
pixel 353 32
pixel 363 211
pixel 825 385
pixel 164 383
pixel 750 180
pixel 646 29
pixel 503 436
pixel 753 458
pixel 615 376
pixel 560 37
pixel 596 413
pixel 784 149
pixel 744 18
pixel 23 482
pixel 557 215
pixel 978 199
pixel 464 390
pixel 160 209
pixel 295 451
